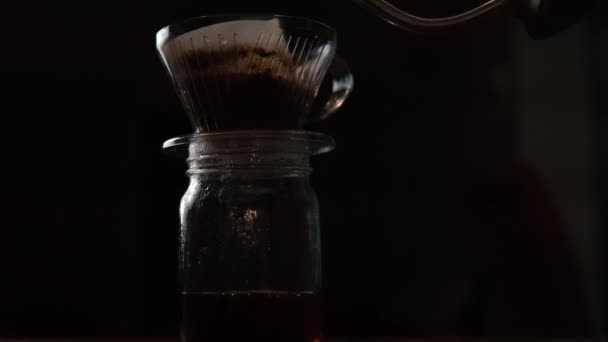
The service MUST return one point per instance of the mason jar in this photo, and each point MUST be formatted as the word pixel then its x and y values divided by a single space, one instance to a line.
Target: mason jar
pixel 250 251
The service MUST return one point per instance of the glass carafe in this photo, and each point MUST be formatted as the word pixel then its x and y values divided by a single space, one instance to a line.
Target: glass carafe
pixel 250 253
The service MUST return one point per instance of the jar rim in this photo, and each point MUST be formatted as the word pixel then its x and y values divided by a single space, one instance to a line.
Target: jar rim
pixel 247 141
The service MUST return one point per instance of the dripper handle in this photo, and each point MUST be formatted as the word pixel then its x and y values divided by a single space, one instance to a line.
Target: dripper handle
pixel 342 85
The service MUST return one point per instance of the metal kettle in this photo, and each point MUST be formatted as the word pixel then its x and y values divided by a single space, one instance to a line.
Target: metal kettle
pixel 542 18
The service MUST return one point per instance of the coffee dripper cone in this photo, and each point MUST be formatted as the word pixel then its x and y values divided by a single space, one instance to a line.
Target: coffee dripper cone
pixel 252 72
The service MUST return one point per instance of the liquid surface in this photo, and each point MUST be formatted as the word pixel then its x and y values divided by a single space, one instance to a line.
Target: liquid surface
pixel 251 316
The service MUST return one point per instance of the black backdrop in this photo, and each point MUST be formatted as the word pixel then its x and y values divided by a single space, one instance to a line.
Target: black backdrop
pixel 432 222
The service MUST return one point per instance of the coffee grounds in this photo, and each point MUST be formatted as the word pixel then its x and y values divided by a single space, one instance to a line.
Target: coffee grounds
pixel 244 88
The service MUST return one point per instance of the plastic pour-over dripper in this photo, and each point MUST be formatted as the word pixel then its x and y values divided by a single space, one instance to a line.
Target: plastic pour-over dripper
pixel 252 72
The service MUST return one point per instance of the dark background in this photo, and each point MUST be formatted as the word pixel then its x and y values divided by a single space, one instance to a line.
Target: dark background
pixel 466 195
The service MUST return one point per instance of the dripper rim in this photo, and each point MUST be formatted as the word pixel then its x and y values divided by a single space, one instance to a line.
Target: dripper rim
pixel 187 25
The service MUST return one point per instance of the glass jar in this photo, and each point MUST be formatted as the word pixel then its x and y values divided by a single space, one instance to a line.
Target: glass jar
pixel 250 253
